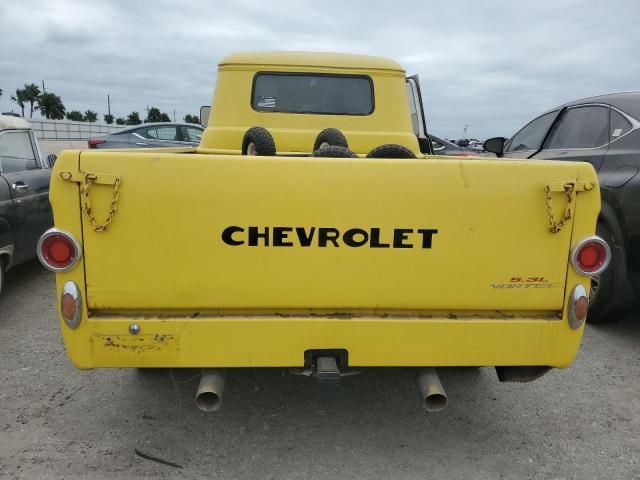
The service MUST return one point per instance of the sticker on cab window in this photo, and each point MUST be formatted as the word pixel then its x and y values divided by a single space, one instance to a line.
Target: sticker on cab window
pixel 616 132
pixel 266 102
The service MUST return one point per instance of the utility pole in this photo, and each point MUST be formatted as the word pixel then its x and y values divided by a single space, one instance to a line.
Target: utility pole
pixel 108 105
pixel 466 126
pixel 174 115
pixel 43 90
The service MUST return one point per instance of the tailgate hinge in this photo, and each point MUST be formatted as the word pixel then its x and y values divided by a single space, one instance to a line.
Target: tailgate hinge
pixel 570 189
pixel 86 180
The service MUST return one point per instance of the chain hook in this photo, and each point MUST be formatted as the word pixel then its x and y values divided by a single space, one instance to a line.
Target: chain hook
pixel 570 191
pixel 90 179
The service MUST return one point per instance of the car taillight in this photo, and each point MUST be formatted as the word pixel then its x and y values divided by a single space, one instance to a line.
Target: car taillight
pixel 93 142
pixel 58 250
pixel 590 256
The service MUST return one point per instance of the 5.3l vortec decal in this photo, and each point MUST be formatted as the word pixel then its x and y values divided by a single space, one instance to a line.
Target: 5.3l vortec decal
pixel 326 236
pixel 527 282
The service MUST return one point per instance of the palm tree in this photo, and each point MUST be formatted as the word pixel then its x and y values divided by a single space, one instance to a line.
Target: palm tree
pixel 51 106
pixel 134 119
pixel 90 116
pixel 75 116
pixel 32 92
pixel 20 98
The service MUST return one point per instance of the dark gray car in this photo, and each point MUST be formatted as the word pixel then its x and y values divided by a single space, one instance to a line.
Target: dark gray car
pixel 151 135
pixel 604 131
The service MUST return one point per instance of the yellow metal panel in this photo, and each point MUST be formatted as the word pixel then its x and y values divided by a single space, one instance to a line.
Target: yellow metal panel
pixel 273 342
pixel 241 341
pixel 164 248
pixel 310 59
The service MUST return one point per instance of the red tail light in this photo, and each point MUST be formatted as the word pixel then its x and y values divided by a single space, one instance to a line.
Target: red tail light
pixel 591 256
pixel 93 142
pixel 58 250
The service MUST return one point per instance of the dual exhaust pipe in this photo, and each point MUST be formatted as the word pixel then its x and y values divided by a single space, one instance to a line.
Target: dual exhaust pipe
pixel 211 389
pixel 434 398
pixel 212 382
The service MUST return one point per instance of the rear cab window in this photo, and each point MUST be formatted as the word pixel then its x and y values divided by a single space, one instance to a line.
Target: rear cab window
pixel 313 93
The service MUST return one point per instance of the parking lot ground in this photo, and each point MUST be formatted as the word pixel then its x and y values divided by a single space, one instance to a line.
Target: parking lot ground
pixel 58 422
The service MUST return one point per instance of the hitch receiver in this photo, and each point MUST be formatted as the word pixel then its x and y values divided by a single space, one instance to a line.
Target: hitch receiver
pixel 327 366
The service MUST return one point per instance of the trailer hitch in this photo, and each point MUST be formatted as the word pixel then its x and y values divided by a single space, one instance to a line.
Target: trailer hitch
pixel 329 367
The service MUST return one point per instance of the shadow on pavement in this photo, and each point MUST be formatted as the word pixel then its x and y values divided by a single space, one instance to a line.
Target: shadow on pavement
pixel 628 325
pixel 18 277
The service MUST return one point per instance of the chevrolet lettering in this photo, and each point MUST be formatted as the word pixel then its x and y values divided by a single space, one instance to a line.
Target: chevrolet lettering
pixel 327 236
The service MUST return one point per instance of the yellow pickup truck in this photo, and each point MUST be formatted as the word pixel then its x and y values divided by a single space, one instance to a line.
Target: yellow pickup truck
pixel 313 229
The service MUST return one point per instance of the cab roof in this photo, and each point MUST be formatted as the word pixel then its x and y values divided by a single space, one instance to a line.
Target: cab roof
pixel 312 59
pixel 10 122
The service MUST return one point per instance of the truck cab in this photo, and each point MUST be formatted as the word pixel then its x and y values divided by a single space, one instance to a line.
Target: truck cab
pixel 297 95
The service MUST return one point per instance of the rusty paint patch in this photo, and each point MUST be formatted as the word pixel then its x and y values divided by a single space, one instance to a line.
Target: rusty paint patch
pixel 137 343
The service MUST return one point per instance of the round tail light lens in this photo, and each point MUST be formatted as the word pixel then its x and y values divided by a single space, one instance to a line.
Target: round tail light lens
pixel 58 250
pixel 591 256
pixel 578 306
pixel 71 304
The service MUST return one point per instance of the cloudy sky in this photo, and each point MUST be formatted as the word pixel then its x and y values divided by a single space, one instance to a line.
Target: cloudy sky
pixel 491 65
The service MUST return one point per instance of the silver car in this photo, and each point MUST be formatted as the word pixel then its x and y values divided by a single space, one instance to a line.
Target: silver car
pixel 151 135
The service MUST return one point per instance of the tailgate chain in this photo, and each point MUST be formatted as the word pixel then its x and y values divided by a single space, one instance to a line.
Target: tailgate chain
pixel 86 180
pixel 569 190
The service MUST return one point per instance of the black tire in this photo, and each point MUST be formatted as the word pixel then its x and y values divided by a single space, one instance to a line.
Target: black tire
pixel 334 152
pixel 329 137
pixel 603 286
pixel 258 139
pixel 391 150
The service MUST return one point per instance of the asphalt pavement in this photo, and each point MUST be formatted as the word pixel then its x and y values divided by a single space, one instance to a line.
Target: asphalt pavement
pixel 58 422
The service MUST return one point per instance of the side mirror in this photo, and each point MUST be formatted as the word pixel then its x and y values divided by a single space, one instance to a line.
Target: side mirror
pixel 51 159
pixel 495 145
pixel 205 111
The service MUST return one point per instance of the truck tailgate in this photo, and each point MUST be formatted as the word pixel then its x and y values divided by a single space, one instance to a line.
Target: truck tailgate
pixel 230 233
